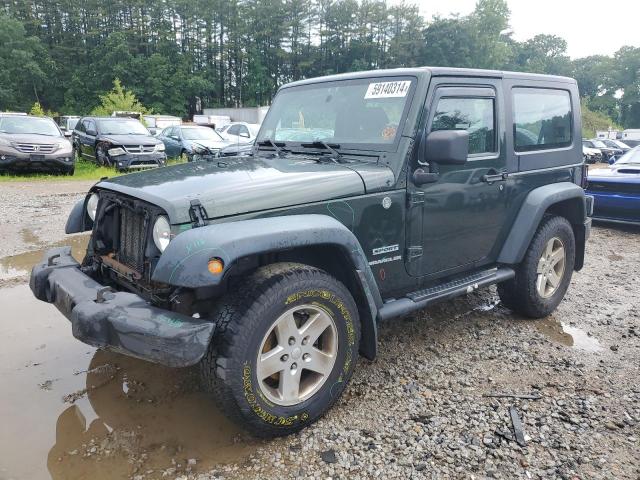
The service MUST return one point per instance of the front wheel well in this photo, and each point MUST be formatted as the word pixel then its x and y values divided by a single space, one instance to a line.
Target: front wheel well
pixel 336 262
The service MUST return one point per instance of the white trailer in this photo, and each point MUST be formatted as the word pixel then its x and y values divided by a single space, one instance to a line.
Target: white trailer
pixel 248 114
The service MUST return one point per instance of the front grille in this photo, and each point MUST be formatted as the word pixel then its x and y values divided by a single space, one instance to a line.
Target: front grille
pixel 34 148
pixel 137 149
pixel 133 228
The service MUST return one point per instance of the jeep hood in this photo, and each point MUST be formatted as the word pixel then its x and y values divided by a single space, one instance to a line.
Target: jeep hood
pixel 237 185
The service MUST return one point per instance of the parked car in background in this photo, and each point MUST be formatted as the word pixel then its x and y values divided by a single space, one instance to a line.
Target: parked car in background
pixel 156 123
pixel 120 142
pixel 238 150
pixel 34 144
pixel 631 137
pixel 591 155
pixel 616 189
pixel 67 124
pixel 607 152
pixel 616 144
pixel 123 114
pixel 195 142
pixel 239 131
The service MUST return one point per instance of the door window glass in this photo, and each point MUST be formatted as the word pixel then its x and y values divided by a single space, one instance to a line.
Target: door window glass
pixel 234 130
pixel 542 118
pixel 476 115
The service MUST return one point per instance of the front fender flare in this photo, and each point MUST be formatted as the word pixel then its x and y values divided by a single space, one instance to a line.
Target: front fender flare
pixel 78 220
pixel 185 261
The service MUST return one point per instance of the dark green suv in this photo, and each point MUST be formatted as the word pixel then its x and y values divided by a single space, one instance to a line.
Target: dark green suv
pixel 368 196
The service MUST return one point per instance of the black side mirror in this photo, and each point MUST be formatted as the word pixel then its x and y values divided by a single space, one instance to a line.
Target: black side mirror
pixel 447 147
pixel 91 133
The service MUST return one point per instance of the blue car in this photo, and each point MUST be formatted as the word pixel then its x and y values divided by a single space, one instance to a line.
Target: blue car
pixel 616 190
pixel 192 141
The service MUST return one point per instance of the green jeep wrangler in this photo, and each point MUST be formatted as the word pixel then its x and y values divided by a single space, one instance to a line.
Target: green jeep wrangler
pixel 368 196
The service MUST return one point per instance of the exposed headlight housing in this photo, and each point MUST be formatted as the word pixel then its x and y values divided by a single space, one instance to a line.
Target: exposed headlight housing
pixel 114 152
pixel 92 205
pixel 161 233
pixel 4 142
pixel 160 147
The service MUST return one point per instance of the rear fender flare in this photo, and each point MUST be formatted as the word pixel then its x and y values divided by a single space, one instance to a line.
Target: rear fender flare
pixel 539 201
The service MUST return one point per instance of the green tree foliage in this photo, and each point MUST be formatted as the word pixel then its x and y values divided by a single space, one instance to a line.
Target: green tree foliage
pixel 118 100
pixel 594 121
pixel 23 63
pixel 177 56
pixel 37 110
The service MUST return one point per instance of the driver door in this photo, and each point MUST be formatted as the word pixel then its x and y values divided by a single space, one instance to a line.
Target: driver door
pixel 455 220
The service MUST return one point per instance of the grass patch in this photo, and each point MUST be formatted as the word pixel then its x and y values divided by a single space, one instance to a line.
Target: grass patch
pixel 84 171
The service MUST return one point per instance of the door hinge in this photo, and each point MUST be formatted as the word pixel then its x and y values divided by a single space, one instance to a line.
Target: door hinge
pixel 198 214
pixel 415 198
pixel 413 253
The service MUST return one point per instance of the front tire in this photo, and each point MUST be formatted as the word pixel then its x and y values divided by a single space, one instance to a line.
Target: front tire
pixel 102 156
pixel 543 276
pixel 284 350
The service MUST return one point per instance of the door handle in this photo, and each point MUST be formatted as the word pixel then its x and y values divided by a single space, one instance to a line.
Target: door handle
pixel 493 175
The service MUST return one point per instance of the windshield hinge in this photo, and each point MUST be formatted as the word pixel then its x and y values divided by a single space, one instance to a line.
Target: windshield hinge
pixel 415 198
pixel 413 252
pixel 198 214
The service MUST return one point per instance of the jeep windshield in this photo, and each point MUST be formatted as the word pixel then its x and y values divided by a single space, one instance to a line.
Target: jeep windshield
pixel 121 127
pixel 361 114
pixel 29 125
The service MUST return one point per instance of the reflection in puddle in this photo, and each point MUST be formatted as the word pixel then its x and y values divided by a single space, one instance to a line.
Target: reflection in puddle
pixel 568 335
pixel 16 266
pixel 102 415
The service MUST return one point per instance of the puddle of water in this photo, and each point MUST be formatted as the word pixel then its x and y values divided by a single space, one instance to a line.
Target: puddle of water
pixel 16 266
pixel 568 335
pixel 61 399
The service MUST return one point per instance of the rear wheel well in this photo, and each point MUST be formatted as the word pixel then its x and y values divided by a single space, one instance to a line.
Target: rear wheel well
pixel 573 209
pixel 330 258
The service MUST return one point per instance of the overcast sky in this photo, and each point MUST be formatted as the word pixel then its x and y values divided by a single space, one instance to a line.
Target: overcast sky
pixel 589 27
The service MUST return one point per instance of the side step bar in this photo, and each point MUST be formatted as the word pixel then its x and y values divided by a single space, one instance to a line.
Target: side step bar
pixel 423 298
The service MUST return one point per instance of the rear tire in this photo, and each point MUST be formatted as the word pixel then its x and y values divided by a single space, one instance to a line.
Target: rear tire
pixel 543 276
pixel 254 326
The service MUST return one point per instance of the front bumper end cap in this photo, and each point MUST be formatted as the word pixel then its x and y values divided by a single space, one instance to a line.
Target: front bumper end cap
pixel 119 321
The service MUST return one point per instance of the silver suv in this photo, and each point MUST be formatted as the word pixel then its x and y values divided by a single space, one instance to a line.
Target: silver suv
pixel 34 144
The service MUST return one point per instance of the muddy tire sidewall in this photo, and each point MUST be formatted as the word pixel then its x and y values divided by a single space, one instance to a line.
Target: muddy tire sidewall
pixel 257 413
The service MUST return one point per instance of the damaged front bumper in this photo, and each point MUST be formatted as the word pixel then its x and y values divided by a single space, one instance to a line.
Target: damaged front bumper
pixel 119 321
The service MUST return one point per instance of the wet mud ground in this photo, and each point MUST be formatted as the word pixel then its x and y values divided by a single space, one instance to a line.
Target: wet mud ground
pixel 421 410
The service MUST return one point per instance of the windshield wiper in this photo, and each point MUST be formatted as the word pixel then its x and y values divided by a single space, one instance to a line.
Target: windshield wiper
pixel 331 147
pixel 277 146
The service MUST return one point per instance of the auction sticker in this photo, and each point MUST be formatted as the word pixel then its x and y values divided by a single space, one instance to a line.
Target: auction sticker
pixel 388 89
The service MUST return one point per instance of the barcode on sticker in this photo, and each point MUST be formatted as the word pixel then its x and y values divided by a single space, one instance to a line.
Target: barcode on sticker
pixel 388 89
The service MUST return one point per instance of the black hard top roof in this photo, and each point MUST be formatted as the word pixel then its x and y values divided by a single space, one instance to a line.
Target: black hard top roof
pixel 436 72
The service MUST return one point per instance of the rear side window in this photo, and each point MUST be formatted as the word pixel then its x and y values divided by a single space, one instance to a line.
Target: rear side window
pixel 542 119
pixel 476 115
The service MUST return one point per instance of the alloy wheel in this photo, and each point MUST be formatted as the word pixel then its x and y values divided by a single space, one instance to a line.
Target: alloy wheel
pixel 297 355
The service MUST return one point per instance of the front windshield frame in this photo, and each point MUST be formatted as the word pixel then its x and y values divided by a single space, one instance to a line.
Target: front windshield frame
pixel 54 131
pixel 215 134
pixel 103 129
pixel 355 146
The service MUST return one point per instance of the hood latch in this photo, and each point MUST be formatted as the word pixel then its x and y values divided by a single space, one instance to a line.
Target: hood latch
pixel 198 214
